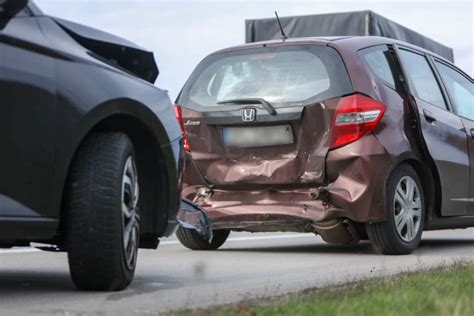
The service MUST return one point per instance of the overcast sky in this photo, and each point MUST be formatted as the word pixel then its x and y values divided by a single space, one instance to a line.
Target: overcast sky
pixel 182 32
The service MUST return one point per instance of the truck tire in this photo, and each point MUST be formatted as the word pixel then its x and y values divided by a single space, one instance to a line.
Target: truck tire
pixel 102 215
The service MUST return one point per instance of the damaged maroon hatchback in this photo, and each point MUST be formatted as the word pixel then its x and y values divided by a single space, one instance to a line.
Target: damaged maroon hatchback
pixel 350 138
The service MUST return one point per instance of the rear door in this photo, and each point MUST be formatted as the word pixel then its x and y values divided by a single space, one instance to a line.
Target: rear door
pixel 443 131
pixel 263 116
pixel 460 90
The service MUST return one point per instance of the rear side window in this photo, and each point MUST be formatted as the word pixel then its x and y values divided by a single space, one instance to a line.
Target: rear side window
pixel 460 90
pixel 289 75
pixel 379 59
pixel 422 78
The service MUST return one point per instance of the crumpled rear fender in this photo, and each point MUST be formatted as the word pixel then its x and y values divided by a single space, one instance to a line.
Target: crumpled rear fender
pixel 357 174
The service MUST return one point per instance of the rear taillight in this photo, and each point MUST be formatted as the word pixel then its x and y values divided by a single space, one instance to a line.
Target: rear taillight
pixel 355 116
pixel 179 116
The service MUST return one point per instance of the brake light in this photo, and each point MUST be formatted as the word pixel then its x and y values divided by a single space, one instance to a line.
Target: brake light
pixel 356 115
pixel 179 116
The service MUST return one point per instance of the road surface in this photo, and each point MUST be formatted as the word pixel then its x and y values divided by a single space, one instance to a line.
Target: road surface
pixel 248 266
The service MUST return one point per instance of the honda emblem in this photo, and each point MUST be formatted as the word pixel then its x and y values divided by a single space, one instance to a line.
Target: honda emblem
pixel 249 115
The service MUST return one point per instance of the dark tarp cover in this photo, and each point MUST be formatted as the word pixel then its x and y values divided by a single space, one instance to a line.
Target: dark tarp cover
pixel 361 23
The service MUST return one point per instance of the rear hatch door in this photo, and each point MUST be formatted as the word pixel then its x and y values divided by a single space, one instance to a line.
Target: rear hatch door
pixel 263 116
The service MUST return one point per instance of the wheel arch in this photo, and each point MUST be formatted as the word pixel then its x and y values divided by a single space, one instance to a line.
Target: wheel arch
pixel 429 180
pixel 152 170
pixel 149 138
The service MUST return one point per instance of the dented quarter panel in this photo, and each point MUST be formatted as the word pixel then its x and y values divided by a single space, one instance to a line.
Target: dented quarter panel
pixel 356 175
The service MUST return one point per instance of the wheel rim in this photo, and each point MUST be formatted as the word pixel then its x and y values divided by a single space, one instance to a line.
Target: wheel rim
pixel 407 209
pixel 130 215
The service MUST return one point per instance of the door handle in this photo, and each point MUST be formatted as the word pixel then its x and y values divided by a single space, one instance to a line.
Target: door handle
pixel 429 116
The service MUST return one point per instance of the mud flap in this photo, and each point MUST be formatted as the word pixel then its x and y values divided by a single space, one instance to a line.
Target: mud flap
pixel 191 216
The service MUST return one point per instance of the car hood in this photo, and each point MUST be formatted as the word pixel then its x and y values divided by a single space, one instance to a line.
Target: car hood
pixel 115 50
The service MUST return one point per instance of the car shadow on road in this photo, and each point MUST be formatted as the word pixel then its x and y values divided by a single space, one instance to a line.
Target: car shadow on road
pixel 25 281
pixel 363 247
pixel 442 243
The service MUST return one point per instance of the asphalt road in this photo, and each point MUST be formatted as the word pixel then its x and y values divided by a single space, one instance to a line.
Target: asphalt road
pixel 247 267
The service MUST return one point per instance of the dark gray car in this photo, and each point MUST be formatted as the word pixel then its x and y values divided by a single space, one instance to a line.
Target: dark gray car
pixel 90 157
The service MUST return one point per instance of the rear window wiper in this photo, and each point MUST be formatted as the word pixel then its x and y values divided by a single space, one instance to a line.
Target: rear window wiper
pixel 267 105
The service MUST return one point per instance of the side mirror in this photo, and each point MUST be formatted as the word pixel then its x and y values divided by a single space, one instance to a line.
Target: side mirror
pixel 9 8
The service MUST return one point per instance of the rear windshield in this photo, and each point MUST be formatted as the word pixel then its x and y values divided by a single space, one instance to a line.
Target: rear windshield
pixel 288 75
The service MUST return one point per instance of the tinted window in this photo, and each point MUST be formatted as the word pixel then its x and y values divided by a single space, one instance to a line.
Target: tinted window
pixel 378 60
pixel 278 77
pixel 290 75
pixel 460 90
pixel 422 78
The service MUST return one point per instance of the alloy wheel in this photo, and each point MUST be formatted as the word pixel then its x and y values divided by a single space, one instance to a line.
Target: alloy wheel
pixel 130 214
pixel 407 209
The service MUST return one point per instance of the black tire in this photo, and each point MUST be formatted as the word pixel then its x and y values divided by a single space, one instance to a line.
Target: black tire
pixel 94 217
pixel 384 236
pixel 192 240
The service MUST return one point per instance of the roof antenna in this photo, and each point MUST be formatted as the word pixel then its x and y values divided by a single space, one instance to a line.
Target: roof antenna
pixel 283 35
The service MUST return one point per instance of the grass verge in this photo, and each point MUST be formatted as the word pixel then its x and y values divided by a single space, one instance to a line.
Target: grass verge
pixel 442 291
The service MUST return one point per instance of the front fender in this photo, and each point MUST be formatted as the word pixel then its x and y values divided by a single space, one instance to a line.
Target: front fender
pixel 77 128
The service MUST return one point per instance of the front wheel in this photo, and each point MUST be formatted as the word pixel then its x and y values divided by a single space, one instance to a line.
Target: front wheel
pixel 406 213
pixel 102 216
pixel 192 240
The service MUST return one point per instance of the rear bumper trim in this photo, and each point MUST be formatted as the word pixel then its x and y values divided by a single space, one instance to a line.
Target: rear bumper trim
pixel 192 216
pixel 248 216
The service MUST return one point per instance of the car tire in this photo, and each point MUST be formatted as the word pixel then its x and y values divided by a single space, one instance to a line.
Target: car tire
pixel 102 216
pixel 406 212
pixel 192 240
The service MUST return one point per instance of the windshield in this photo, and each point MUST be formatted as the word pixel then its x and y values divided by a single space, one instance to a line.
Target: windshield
pixel 281 75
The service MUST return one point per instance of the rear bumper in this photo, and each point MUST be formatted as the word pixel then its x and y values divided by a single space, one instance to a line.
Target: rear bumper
pixel 248 210
pixel 356 176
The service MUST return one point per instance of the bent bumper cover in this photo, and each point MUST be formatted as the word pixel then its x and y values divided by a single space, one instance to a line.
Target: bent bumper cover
pixel 193 217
